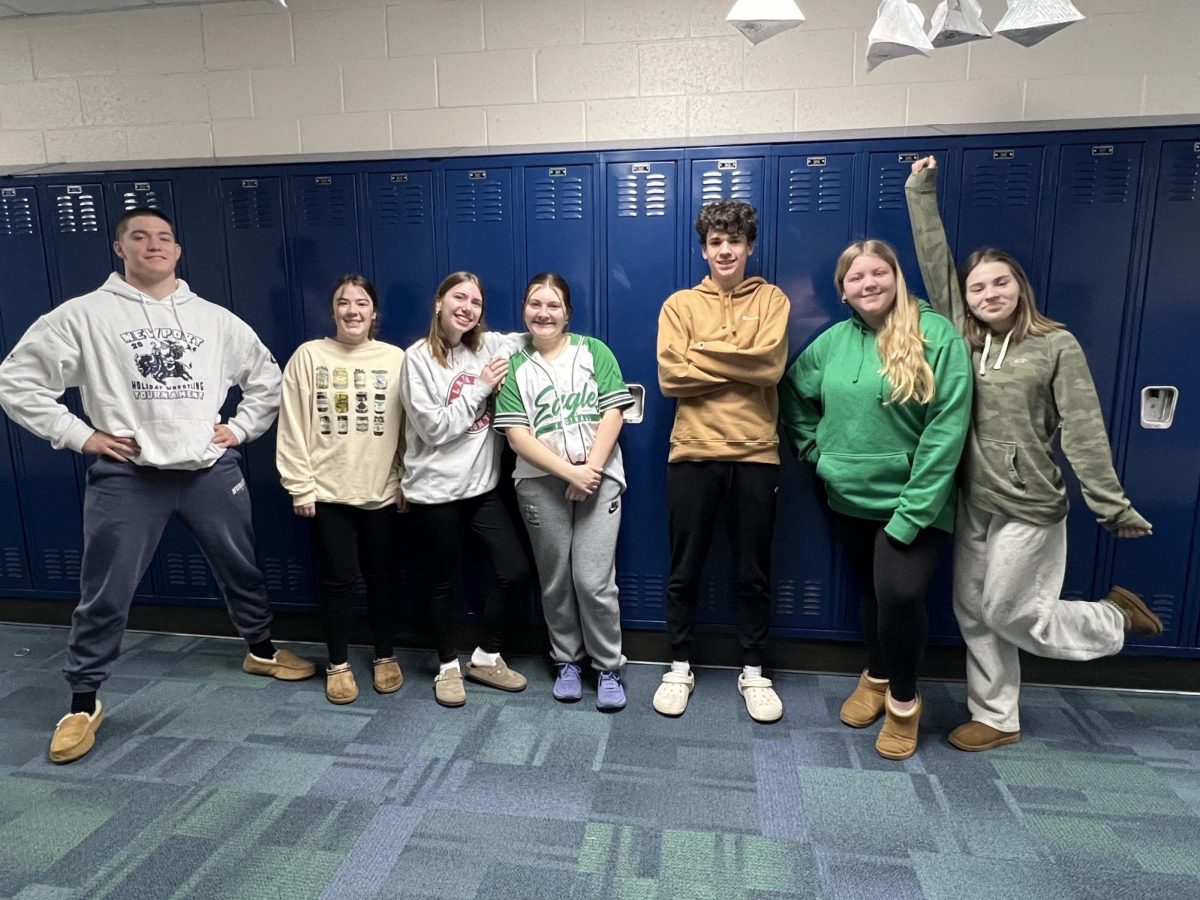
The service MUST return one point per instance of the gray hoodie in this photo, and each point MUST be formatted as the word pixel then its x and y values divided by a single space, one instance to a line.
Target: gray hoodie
pixel 154 370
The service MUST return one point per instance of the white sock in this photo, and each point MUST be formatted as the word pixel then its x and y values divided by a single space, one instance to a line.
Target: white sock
pixel 752 671
pixel 681 668
pixel 445 667
pixel 481 658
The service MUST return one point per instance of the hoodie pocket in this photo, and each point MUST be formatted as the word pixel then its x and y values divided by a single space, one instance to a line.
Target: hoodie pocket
pixel 995 463
pixel 864 481
pixel 177 443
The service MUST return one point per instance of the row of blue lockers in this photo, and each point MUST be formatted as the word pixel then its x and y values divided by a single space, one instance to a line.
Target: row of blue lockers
pixel 1106 222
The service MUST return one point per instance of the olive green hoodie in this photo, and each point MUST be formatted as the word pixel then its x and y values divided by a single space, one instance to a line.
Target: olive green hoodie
pixel 880 460
pixel 1026 394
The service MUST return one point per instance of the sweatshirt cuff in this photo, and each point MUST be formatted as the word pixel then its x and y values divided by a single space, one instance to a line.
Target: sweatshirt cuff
pixel 239 431
pixel 77 435
pixel 900 529
pixel 1129 518
pixel 924 181
pixel 302 499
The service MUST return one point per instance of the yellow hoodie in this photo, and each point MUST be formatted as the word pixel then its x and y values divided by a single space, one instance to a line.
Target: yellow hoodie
pixel 721 356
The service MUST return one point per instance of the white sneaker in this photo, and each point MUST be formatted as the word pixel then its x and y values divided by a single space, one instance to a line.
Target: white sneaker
pixel 671 698
pixel 762 702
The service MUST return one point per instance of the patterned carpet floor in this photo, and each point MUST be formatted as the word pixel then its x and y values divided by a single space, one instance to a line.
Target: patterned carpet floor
pixel 209 783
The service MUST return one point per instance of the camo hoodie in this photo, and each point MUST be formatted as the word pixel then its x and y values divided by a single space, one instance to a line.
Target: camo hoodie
pixel 154 370
pixel 1026 395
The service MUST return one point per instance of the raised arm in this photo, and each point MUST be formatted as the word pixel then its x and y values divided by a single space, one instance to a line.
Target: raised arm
pixel 929 236
pixel 759 364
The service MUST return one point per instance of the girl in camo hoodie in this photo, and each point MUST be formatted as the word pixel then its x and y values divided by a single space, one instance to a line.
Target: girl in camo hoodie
pixel 1032 384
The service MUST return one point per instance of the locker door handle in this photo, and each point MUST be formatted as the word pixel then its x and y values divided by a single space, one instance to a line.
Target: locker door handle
pixel 1158 405
pixel 633 414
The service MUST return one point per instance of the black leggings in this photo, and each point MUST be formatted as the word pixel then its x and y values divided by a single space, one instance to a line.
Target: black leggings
pixel 444 527
pixel 349 541
pixel 894 579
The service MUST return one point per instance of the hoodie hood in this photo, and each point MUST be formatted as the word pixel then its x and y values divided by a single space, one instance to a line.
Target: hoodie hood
pixel 121 288
pixel 745 288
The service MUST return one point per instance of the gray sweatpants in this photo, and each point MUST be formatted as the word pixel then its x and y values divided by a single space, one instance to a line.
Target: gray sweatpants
pixel 575 546
pixel 125 509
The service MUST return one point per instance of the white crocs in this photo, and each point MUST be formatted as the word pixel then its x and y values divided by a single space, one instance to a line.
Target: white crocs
pixel 671 698
pixel 762 702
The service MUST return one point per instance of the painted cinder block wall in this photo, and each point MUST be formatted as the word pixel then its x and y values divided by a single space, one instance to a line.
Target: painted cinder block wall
pixel 248 78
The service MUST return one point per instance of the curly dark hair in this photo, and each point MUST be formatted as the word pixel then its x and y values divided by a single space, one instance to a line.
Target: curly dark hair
pixel 729 216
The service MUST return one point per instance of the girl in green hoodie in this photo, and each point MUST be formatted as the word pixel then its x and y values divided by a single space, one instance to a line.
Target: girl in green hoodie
pixel 1032 384
pixel 881 403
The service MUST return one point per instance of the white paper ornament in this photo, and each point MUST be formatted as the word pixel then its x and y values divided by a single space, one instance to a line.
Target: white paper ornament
pixel 899 30
pixel 957 22
pixel 762 19
pixel 1029 22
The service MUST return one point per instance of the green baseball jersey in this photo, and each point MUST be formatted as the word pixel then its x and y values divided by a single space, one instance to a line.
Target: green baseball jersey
pixel 562 400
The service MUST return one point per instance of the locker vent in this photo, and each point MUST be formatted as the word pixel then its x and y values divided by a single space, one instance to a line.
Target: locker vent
pixel 808 186
pixel 187 570
pixel 1164 607
pixel 998 185
pixel 13 563
pixel 480 201
pixel 1183 184
pixel 16 216
pixel 135 198
pixel 646 594
pixel 251 208
pixel 558 198
pixel 728 184
pixel 890 190
pixel 326 206
pixel 284 577
pixel 398 204
pixel 1100 180
pixel 61 565
pixel 785 597
pixel 642 194
pixel 76 213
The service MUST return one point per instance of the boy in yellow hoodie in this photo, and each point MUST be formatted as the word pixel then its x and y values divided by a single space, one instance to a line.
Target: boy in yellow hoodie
pixel 722 347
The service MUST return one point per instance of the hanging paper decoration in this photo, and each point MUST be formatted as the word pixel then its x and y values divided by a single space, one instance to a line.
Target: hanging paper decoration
pixel 1030 21
pixel 957 22
pixel 899 30
pixel 762 19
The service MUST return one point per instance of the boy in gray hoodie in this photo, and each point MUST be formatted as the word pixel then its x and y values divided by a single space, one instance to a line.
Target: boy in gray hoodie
pixel 154 363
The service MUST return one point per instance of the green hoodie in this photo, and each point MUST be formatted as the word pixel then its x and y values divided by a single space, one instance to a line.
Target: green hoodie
pixel 1026 395
pixel 880 460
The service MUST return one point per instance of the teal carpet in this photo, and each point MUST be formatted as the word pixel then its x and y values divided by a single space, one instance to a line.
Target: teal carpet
pixel 208 783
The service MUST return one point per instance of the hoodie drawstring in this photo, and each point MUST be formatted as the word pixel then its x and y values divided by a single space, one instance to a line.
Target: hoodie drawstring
pixel 987 349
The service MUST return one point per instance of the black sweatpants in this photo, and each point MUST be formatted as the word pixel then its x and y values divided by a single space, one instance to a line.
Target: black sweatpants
pixel 894 579
pixel 444 527
pixel 349 541
pixel 697 493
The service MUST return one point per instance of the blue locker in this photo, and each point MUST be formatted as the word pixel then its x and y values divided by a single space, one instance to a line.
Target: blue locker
pixel 731 178
pixel 81 249
pixel 480 238
pixel 404 250
pixel 1090 275
pixel 887 210
pixel 256 250
pixel 325 244
pixel 999 200
pixel 814 220
pixel 47 480
pixel 641 269
pixel 1157 567
pixel 560 235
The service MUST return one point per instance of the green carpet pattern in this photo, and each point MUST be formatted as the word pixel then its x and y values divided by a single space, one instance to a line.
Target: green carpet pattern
pixel 209 783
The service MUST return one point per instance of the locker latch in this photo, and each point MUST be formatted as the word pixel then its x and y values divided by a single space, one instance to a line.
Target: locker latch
pixel 1102 150
pixel 1158 406
pixel 477 174
pixel 399 177
pixel 558 171
pixel 1003 154
pixel 725 164
pixel 816 161
pixel 633 414
pixel 909 157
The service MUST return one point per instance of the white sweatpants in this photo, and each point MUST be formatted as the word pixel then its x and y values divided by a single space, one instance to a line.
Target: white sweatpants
pixel 1008 576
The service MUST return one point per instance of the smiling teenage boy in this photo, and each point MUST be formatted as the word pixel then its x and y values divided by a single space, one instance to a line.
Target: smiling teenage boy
pixel 154 364
pixel 722 347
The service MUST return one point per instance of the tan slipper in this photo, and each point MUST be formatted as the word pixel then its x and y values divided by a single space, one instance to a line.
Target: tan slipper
pixel 340 686
pixel 865 705
pixel 75 735
pixel 388 676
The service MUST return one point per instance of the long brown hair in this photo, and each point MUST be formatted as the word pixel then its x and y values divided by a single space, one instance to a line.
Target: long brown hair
pixel 361 281
pixel 1028 323
pixel 900 341
pixel 473 338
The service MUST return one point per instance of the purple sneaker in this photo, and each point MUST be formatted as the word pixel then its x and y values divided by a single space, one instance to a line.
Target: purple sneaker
pixel 610 695
pixel 567 686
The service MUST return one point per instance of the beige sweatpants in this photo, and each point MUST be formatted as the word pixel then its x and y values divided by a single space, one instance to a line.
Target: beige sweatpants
pixel 1008 576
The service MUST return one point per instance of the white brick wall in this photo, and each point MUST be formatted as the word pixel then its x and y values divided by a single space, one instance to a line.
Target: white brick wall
pixel 235 79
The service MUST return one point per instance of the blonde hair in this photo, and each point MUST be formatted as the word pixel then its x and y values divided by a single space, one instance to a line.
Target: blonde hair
pixel 436 338
pixel 900 341
pixel 1029 322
